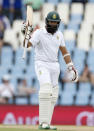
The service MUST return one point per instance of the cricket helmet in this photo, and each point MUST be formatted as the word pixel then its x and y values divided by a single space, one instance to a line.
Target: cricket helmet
pixel 52 16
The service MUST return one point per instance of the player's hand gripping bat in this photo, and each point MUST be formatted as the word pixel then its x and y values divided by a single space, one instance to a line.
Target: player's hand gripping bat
pixel 28 29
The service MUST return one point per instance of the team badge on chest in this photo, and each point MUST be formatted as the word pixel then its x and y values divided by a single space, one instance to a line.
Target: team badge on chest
pixel 40 72
pixel 57 37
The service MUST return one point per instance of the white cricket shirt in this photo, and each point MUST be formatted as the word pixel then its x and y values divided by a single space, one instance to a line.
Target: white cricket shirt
pixel 46 45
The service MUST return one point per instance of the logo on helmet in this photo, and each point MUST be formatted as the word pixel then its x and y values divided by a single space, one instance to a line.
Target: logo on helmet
pixel 54 16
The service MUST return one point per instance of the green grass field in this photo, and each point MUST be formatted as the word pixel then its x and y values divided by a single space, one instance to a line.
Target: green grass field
pixel 35 128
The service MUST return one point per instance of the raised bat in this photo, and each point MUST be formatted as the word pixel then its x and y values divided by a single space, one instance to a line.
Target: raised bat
pixel 29 19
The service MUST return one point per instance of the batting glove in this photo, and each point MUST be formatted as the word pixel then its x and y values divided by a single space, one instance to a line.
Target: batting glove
pixel 23 27
pixel 73 74
pixel 28 32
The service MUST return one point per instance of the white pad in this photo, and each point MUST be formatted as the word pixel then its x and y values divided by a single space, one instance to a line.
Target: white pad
pixel 55 91
pixel 45 96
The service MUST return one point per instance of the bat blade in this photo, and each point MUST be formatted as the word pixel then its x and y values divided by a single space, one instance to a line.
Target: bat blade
pixel 28 23
pixel 29 15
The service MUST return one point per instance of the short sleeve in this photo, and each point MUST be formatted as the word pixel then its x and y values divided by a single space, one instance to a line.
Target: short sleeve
pixel 62 42
pixel 35 38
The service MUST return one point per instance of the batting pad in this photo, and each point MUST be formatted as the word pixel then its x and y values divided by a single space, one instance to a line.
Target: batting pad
pixel 54 99
pixel 45 96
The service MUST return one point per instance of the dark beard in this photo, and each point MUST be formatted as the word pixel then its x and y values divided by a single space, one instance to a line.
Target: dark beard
pixel 51 29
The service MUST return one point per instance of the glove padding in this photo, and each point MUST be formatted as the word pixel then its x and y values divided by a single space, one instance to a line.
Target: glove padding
pixel 25 27
pixel 73 74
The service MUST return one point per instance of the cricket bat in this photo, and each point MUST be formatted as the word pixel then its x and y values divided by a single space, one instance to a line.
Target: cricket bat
pixel 29 19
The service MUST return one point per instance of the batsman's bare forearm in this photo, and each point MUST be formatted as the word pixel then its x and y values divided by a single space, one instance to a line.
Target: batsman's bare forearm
pixel 65 54
pixel 28 45
pixel 70 67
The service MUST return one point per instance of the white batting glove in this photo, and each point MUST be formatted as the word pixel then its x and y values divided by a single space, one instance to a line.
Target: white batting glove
pixel 23 27
pixel 73 74
pixel 28 33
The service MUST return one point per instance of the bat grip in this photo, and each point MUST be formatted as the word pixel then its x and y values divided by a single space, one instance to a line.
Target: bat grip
pixel 25 48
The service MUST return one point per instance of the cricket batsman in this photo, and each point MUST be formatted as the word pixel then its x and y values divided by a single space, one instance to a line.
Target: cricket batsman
pixel 47 42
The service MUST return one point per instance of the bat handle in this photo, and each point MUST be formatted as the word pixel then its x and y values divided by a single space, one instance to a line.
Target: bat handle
pixel 25 49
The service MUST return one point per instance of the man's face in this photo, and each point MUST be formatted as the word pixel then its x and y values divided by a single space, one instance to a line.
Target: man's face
pixel 52 26
pixel 52 23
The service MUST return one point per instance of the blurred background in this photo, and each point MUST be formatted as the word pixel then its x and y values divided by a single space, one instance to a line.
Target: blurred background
pixel 18 83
